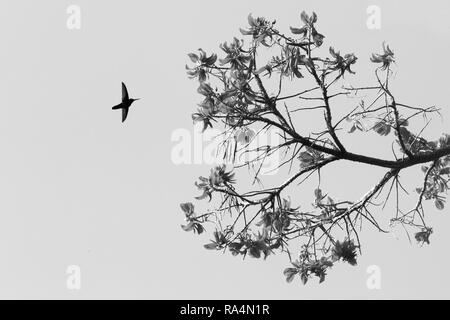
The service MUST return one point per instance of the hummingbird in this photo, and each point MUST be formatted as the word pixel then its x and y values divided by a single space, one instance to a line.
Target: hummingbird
pixel 126 102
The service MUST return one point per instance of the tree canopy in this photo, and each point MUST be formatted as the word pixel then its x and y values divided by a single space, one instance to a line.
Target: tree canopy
pixel 307 80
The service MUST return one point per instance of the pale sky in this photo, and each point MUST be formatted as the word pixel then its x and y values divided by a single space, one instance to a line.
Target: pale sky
pixel 80 188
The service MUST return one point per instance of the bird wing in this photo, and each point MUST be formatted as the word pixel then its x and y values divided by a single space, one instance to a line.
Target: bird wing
pixel 124 92
pixel 118 106
pixel 124 114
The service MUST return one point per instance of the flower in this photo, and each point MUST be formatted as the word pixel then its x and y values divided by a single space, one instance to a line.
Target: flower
pixel 309 25
pixel 244 136
pixel 382 128
pixel 444 141
pixel 218 243
pixel 309 157
pixel 307 268
pixel 386 58
pixel 193 223
pixel 342 63
pixel 187 208
pixel 219 176
pixel 203 62
pixel 235 55
pixel 423 236
pixel 346 251
pixel 260 29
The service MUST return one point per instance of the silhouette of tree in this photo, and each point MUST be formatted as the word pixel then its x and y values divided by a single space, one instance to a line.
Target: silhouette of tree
pixel 262 221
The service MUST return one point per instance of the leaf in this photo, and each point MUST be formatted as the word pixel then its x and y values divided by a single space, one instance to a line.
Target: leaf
pixel 265 68
pixel 376 58
pixel 255 252
pixel 206 194
pixel 210 246
pixel 305 157
pixel 296 72
pixel 290 274
pixel 403 122
pixel 194 58
pixel 324 261
pixel 346 251
pixel 220 237
pixel 205 89
pixel 199 228
pixel 244 136
pixel 387 50
pixel 304 278
pixel 439 204
pixel 423 236
pixel 333 53
pixel 201 75
pixel 188 208
pixel 251 20
pixel 304 17
pixel 359 125
pixel 322 277
pixel 189 227
pixel 302 30
pixel 352 129
pixel 317 37
pixel 210 60
pixel 445 171
pixel 318 194
pixel 235 247
pixel 246 32
pixel 382 128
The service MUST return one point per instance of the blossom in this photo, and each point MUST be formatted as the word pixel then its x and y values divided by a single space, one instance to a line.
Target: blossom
pixel 203 62
pixel 342 63
pixel 193 223
pixel 260 29
pixel 309 25
pixel 244 136
pixel 346 251
pixel 424 235
pixel 219 176
pixel 235 54
pixel 386 58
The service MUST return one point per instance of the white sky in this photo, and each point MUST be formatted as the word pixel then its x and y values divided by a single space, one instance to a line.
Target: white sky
pixel 78 187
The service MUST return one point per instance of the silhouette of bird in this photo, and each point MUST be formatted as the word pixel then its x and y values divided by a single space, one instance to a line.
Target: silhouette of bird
pixel 126 102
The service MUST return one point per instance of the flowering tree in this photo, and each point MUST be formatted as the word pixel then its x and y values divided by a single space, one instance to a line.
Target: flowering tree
pixel 236 99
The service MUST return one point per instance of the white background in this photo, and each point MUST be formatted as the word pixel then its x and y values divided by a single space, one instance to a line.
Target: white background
pixel 79 187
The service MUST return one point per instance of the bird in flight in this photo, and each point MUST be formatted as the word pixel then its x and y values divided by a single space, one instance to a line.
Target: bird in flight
pixel 126 103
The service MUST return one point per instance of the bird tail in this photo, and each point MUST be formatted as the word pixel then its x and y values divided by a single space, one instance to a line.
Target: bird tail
pixel 119 106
